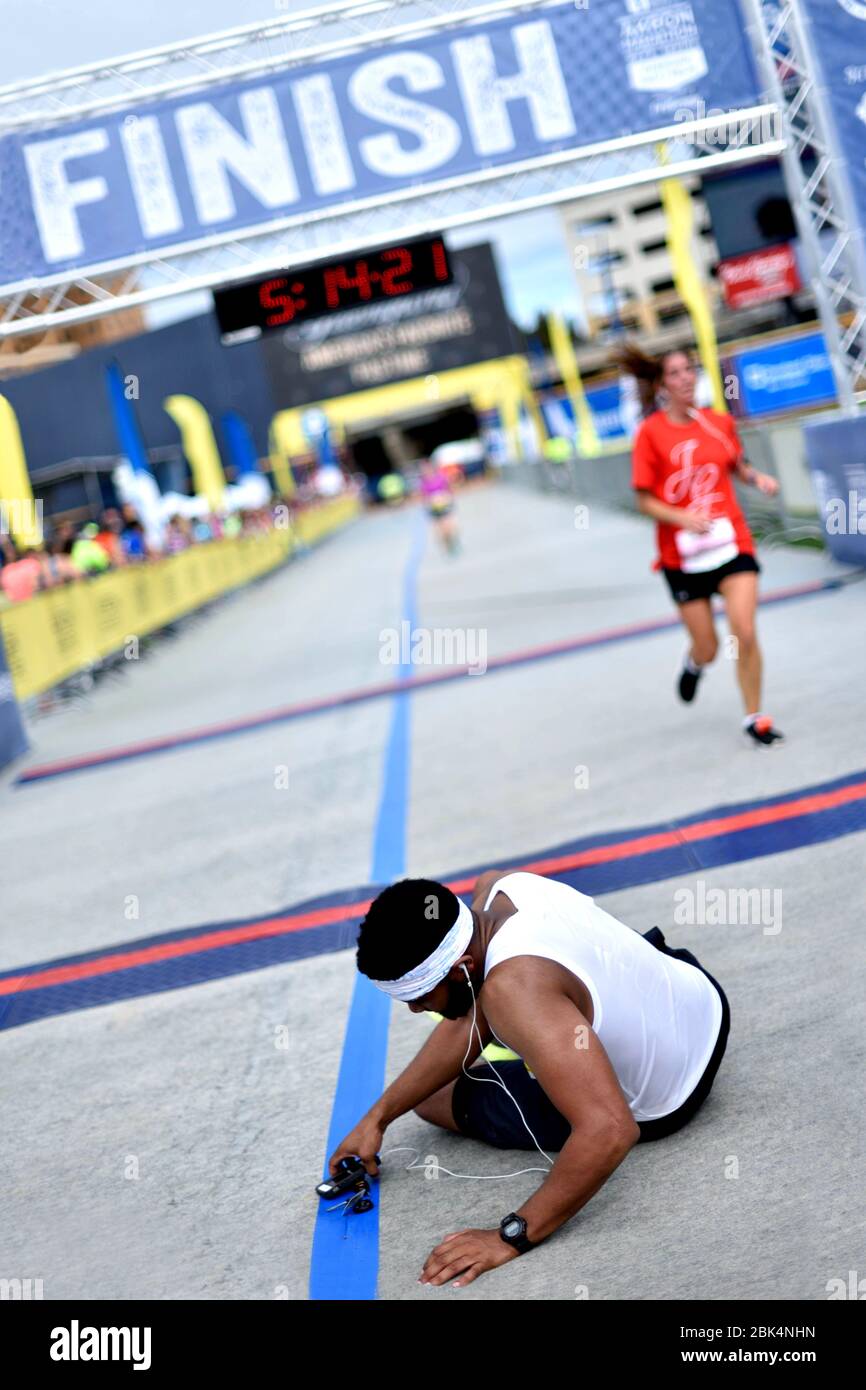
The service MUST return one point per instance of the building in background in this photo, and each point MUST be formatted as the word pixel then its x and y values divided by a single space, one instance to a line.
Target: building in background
pixel 744 243
pixel 617 243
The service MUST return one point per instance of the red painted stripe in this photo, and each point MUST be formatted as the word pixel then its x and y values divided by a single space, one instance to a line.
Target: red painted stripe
pixel 370 692
pixel 373 692
pixel 276 926
pixel 186 946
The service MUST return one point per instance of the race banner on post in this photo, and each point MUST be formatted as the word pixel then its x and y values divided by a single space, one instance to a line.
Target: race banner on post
pixel 836 452
pixel 792 373
pixel 404 117
pixel 837 29
pixel 13 740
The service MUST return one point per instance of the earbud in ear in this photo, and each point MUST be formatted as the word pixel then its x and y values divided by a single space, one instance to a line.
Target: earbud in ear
pixel 466 973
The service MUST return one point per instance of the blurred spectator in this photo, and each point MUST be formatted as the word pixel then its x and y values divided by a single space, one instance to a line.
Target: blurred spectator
pixel 392 488
pixel 108 536
pixel 59 568
pixel 178 535
pixel 21 575
pixel 73 553
pixel 132 536
pixel 87 555
pixel 133 540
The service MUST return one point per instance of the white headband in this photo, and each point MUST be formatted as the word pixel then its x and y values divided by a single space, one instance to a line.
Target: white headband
pixel 433 970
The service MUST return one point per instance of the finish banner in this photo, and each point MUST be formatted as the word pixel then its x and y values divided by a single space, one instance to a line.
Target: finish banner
pixel 377 122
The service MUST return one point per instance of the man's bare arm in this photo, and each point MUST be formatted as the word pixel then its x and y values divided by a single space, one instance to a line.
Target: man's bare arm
pixel 526 1005
pixel 439 1061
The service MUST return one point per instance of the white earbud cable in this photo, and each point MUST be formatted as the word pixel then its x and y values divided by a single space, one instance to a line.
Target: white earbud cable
pixel 480 1177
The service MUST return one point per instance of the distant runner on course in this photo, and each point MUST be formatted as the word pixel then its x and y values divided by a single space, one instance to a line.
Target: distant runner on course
pixel 439 501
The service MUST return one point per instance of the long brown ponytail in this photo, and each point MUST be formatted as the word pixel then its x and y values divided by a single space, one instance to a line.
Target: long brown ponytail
pixel 646 370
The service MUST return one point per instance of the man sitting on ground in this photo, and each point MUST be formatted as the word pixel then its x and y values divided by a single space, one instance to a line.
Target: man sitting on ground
pixel 618 1039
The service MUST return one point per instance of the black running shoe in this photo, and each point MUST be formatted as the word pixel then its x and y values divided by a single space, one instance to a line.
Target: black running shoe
pixel 761 731
pixel 688 683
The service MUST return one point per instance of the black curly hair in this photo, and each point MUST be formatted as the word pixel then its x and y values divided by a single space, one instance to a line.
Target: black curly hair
pixel 404 926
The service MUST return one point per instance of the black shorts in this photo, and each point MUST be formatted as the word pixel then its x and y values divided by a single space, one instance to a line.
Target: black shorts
pixel 687 587
pixel 483 1111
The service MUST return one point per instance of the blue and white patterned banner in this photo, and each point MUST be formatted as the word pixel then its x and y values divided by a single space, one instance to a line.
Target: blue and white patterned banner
pixel 836 452
pixel 838 31
pixel 363 126
pixel 13 740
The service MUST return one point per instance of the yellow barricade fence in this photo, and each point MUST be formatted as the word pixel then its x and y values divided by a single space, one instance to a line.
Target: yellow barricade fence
pixel 60 631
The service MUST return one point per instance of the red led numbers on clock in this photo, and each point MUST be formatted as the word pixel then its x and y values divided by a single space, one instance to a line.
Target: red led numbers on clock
pixel 290 297
pixel 440 261
pixel 336 279
pixel 282 307
pixel 403 264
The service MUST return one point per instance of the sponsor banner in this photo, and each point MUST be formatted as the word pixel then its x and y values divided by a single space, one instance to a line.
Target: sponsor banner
pixel 493 437
pixel 437 330
pixel 56 633
pixel 608 412
pixel 838 29
pixel 760 276
pixel 379 121
pixel 836 452
pixel 13 740
pixel 789 375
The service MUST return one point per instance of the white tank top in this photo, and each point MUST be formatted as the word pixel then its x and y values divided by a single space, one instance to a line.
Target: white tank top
pixel 657 1018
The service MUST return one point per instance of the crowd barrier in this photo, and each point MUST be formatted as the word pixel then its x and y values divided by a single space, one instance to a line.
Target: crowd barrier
pixel 64 630
pixel 776 448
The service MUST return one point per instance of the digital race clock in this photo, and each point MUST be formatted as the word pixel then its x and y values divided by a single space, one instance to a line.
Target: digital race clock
pixel 310 292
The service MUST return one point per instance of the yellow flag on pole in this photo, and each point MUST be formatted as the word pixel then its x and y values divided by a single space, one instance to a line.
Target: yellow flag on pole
pixel 687 278
pixel 200 447
pixel 18 511
pixel 563 351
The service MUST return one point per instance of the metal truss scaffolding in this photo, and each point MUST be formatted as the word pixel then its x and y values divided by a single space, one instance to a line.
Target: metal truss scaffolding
pixel 58 300
pixel 819 194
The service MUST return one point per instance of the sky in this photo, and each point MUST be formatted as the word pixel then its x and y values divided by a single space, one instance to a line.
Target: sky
pixel 45 36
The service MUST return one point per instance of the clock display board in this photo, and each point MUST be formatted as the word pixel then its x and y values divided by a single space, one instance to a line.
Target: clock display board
pixel 310 292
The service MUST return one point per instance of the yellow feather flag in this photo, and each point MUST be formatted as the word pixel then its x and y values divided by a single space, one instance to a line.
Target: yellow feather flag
pixel 566 361
pixel 285 438
pixel 18 511
pixel 200 447
pixel 687 278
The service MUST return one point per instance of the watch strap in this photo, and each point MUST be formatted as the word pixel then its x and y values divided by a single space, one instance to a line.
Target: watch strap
pixel 521 1243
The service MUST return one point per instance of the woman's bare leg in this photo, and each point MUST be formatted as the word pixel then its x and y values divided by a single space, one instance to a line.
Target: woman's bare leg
pixel 740 594
pixel 697 617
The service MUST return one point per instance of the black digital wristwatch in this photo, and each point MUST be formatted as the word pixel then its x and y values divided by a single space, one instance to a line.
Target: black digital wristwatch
pixel 512 1230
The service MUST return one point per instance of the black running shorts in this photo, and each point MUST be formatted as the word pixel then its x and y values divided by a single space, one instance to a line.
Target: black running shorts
pixel 688 587
pixel 483 1111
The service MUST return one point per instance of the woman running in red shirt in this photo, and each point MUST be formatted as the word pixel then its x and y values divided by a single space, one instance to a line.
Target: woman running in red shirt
pixel 683 467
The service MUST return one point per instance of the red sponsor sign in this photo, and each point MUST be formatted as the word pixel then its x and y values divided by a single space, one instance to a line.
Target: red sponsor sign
pixel 759 276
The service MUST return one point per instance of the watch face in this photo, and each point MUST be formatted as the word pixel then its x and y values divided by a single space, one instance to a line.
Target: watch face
pixel 512 1228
